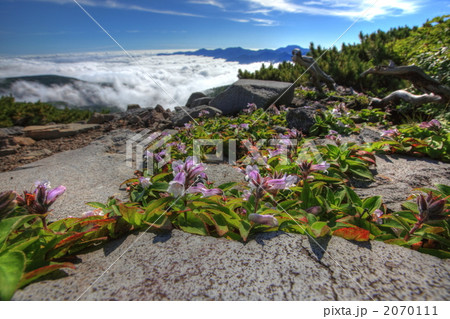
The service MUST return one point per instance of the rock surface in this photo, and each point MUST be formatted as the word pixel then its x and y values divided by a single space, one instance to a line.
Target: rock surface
pixel 301 119
pixel 40 132
pixel 194 96
pixel 271 266
pixel 262 93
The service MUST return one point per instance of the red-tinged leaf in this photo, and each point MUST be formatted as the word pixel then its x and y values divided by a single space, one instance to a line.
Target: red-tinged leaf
pixel 35 274
pixel 69 240
pixel 99 222
pixel 353 233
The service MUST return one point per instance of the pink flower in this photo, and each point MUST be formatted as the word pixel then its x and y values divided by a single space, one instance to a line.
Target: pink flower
pixel 206 192
pixel 390 133
pixel 267 220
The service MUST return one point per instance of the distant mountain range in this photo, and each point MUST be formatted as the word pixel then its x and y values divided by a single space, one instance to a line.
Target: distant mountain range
pixel 245 56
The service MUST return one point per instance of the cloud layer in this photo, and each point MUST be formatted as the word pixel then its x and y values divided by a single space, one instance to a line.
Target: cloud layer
pixel 129 81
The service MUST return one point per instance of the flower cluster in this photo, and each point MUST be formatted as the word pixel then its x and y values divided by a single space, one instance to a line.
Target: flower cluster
pixel 40 200
pixel 307 167
pixel 251 107
pixel 271 184
pixel 186 175
pixel 390 133
pixel 434 125
pixel 334 136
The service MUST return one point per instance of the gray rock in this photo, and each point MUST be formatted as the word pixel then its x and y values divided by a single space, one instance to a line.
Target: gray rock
pixel 262 93
pixel 186 115
pixel 133 107
pixel 271 266
pixel 14 130
pixel 99 118
pixel 89 174
pixel 201 101
pixel 194 96
pixel 46 132
pixel 301 119
pixel 396 177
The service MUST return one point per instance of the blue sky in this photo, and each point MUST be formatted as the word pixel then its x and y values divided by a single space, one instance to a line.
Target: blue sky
pixel 60 26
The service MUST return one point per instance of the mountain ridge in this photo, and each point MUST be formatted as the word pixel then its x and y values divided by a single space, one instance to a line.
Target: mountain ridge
pixel 245 56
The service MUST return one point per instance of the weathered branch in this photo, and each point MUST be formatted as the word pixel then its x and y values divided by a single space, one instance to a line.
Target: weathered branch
pixel 414 100
pixel 317 74
pixel 416 76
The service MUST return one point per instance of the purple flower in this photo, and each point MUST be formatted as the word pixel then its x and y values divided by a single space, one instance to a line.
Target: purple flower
pixel 432 125
pixel 251 107
pixel 306 167
pixel 186 174
pixel 244 126
pixel 188 126
pixel 267 220
pixel 260 185
pixel 206 192
pixel 233 126
pixel 320 167
pixel 97 212
pixel 177 186
pixel 390 133
pixel 182 148
pixel 203 113
pixel 145 182
pixel 376 216
pixel 40 200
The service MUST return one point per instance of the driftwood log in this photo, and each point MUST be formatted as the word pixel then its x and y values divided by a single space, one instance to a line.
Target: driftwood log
pixel 317 74
pixel 433 90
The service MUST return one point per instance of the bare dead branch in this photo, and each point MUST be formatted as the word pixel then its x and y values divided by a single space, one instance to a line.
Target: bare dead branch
pixel 317 74
pixel 414 100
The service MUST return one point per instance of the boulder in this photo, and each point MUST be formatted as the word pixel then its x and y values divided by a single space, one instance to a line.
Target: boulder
pixel 201 101
pixel 187 115
pixel 301 119
pixel 99 118
pixel 46 132
pixel 194 96
pixel 23 141
pixel 12 131
pixel 262 93
pixel 133 107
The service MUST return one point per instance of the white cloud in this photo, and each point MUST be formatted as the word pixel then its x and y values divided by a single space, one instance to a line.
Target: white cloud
pixel 208 2
pixel 129 83
pixel 367 9
pixel 265 22
pixel 112 4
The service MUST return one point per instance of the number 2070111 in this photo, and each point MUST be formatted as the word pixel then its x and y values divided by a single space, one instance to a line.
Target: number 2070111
pixel 410 310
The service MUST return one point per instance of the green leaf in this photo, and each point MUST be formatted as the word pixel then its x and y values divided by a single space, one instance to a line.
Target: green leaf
pixel 320 229
pixel 372 203
pixel 361 171
pixel 352 196
pixel 96 205
pixel 133 215
pixel 193 224
pixel 12 265
pixel 411 206
pixel 244 229
pixel 9 225
pixel 227 186
pixel 445 189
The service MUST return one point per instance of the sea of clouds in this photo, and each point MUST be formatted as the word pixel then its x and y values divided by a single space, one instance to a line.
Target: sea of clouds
pixel 131 80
